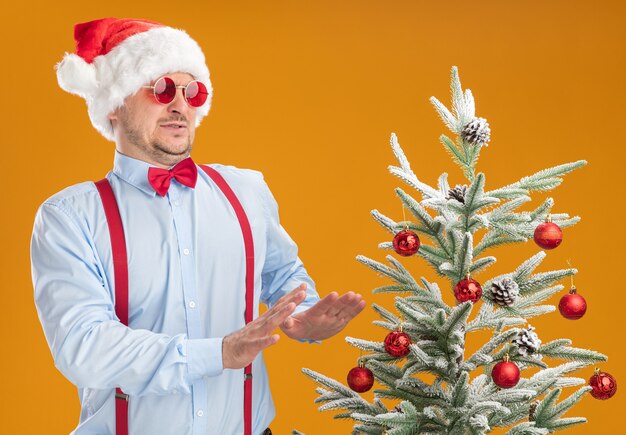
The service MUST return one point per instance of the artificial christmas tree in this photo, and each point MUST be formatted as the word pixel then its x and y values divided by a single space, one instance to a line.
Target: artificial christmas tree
pixel 507 382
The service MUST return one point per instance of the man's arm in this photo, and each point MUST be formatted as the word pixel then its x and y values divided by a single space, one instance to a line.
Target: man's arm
pixel 88 343
pixel 295 306
pixel 312 320
pixel 283 271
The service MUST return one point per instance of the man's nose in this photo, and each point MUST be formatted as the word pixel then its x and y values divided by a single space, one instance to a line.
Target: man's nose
pixel 178 104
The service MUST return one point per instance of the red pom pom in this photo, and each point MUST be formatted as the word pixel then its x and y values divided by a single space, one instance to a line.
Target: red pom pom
pixel 505 374
pixel 468 290
pixel 572 306
pixel 406 243
pixel 603 385
pixel 397 344
pixel 548 235
pixel 360 379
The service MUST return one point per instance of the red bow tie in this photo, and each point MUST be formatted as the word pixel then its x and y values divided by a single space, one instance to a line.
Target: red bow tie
pixel 185 172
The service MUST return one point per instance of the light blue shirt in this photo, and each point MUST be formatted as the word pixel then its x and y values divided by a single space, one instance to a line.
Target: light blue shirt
pixel 187 291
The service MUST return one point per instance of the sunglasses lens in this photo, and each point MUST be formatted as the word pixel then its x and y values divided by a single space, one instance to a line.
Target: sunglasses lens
pixel 196 93
pixel 165 90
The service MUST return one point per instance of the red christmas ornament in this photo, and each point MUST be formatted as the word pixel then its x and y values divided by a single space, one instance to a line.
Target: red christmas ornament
pixel 468 290
pixel 397 344
pixel 603 385
pixel 360 378
pixel 572 306
pixel 406 243
pixel 505 374
pixel 548 235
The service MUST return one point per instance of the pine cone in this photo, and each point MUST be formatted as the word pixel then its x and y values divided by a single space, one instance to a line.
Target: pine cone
pixel 476 132
pixel 458 193
pixel 527 341
pixel 504 292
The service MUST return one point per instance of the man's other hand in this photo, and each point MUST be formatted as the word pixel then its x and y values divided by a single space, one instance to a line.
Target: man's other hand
pixel 324 319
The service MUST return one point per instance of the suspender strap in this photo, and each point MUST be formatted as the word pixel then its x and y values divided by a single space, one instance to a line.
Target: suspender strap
pixel 120 270
pixel 249 251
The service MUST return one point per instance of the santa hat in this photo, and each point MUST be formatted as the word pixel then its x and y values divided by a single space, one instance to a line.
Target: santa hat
pixel 114 58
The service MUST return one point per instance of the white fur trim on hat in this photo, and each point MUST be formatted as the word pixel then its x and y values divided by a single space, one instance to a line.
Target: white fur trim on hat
pixel 77 76
pixel 133 63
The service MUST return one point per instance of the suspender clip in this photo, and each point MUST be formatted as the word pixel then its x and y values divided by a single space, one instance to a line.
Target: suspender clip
pixel 247 376
pixel 121 396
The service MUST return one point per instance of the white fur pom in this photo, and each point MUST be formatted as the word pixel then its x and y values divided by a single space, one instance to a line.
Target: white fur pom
pixel 77 76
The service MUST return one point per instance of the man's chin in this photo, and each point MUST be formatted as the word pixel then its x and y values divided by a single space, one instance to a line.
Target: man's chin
pixel 174 149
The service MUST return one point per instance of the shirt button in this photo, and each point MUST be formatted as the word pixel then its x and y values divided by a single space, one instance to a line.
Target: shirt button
pixel 192 304
pixel 176 202
pixel 200 413
pixel 186 251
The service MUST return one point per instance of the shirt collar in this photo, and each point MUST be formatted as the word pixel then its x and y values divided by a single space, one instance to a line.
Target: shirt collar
pixel 133 171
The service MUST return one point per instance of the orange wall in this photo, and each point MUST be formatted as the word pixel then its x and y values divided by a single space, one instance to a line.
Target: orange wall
pixel 308 93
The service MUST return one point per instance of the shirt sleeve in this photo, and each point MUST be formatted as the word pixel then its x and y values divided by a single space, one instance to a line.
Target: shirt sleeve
pixel 283 270
pixel 89 344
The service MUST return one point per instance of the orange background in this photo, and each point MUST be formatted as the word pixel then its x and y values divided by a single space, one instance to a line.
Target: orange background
pixel 308 93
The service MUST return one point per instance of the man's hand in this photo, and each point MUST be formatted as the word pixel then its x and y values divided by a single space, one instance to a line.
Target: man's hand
pixel 241 347
pixel 324 319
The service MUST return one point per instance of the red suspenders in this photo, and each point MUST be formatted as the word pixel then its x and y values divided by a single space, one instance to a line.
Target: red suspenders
pixel 120 269
pixel 249 250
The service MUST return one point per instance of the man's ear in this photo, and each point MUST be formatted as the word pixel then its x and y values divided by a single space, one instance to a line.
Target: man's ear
pixel 113 115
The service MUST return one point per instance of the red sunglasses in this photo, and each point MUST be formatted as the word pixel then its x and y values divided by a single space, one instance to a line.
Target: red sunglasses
pixel 164 90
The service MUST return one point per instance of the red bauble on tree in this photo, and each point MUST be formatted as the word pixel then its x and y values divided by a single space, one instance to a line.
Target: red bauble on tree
pixel 406 243
pixel 397 344
pixel 548 235
pixel 505 374
pixel 572 306
pixel 603 385
pixel 360 379
pixel 468 290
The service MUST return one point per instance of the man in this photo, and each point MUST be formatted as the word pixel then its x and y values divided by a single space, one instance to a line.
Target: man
pixel 179 361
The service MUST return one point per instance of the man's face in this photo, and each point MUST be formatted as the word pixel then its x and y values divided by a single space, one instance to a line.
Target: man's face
pixel 161 134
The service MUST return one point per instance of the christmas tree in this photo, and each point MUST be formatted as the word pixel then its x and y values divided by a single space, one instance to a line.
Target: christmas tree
pixel 421 368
